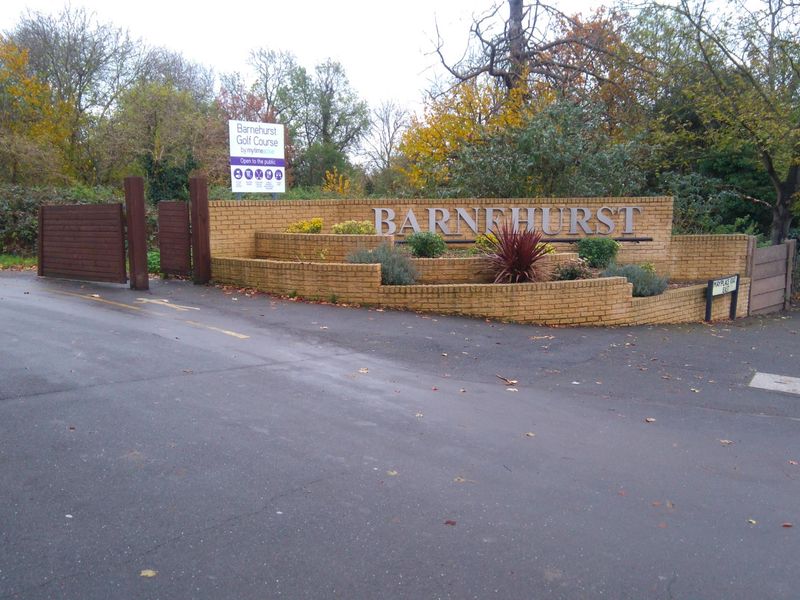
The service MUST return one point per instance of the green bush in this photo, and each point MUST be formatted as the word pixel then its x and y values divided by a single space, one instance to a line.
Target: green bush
pixel 396 268
pixel 308 226
pixel 354 228
pixel 645 283
pixel 19 211
pixel 153 261
pixel 426 244
pixel 598 252
pixel 572 270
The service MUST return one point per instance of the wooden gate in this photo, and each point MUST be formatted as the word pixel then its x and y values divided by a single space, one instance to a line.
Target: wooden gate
pixel 771 285
pixel 82 242
pixel 174 238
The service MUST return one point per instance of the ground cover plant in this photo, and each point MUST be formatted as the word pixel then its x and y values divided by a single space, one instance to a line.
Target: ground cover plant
pixel 572 270
pixel 308 226
pixel 354 228
pixel 396 268
pixel 515 256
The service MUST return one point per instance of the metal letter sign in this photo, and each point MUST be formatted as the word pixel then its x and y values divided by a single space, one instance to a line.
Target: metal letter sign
pixel 257 160
pixel 719 287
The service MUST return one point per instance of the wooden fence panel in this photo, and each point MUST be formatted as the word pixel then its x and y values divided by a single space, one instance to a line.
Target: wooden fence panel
pixel 771 280
pixel 82 242
pixel 174 238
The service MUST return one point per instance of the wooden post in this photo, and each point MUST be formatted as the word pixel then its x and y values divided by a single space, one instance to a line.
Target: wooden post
pixel 137 236
pixel 40 243
pixel 201 234
pixel 752 244
pixel 791 251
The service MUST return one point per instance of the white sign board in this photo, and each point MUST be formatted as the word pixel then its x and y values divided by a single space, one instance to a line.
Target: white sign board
pixel 257 160
pixel 725 285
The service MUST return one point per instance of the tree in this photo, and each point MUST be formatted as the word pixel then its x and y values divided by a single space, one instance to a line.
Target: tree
pixel 86 64
pixel 33 129
pixel 749 55
pixel 157 128
pixel 387 123
pixel 537 48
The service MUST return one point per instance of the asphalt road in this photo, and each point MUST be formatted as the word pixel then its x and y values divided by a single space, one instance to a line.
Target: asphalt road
pixel 246 447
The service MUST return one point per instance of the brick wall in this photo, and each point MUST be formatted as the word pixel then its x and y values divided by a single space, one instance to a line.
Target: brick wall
pixel 605 301
pixel 687 305
pixel 587 302
pixel 233 224
pixel 318 247
pixel 699 257
pixel 322 281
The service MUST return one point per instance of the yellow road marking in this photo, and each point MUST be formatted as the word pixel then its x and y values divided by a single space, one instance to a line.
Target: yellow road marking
pixel 166 303
pixel 96 298
pixel 240 336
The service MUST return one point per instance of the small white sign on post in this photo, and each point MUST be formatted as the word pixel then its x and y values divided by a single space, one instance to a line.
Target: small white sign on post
pixel 257 157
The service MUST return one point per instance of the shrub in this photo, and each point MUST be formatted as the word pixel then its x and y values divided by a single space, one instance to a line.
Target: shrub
pixel 485 243
pixel 645 283
pixel 598 252
pixel 396 268
pixel 308 226
pixel 354 227
pixel 516 254
pixel 571 270
pixel 153 261
pixel 426 244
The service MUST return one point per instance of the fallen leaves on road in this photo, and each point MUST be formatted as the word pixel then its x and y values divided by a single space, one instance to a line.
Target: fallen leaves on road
pixel 512 390
pixel 148 573
pixel 794 462
pixel 530 434
pixel 391 473
pixel 787 525
pixel 649 420
pixel 726 442
pixel 450 522
pixel 506 380
pixel 363 370
pixel 752 521
pixel 419 415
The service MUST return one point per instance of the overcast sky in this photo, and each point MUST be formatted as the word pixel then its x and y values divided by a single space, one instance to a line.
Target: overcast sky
pixel 385 47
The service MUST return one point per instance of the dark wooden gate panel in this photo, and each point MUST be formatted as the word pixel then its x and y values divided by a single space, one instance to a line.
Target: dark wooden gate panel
pixel 174 238
pixel 82 242
pixel 771 282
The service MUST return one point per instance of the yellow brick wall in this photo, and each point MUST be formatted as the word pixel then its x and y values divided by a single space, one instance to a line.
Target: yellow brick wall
pixel 233 224
pixel 606 301
pixel 699 257
pixel 587 302
pixel 318 247
pixel 348 283
pixel 687 305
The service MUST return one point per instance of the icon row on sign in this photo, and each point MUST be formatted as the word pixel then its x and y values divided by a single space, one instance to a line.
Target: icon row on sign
pixel 258 174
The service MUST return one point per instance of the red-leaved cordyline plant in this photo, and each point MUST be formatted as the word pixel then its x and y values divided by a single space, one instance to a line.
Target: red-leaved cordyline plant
pixel 515 255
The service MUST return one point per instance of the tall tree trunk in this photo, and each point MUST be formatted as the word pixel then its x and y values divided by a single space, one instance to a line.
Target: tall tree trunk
pixel 516 44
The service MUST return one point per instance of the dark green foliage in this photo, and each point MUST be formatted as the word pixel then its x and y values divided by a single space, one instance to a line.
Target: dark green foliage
pixel 396 268
pixel 707 205
pixel 167 181
pixel 598 252
pixel 563 150
pixel 426 244
pixel 645 282
pixel 19 211
pixel 153 261
pixel 571 270
pixel 516 254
